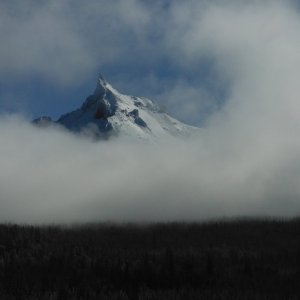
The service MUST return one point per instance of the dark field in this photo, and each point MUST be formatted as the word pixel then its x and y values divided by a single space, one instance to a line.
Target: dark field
pixel 242 259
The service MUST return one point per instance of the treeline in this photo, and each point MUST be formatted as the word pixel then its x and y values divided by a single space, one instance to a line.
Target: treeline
pixel 242 259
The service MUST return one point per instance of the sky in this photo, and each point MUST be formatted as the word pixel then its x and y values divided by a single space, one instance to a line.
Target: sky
pixel 231 67
pixel 52 52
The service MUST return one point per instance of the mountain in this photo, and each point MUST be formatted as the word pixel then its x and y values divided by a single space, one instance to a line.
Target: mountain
pixel 107 112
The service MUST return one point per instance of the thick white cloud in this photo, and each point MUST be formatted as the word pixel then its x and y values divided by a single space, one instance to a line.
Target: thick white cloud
pixel 244 163
pixel 52 176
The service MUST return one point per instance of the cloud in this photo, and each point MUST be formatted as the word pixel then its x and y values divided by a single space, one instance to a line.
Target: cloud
pixel 244 163
pixel 36 39
pixel 65 41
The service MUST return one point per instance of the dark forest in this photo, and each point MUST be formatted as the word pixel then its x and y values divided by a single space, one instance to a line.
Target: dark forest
pixel 230 259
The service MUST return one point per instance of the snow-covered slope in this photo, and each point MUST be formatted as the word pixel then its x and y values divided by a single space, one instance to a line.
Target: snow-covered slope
pixel 108 112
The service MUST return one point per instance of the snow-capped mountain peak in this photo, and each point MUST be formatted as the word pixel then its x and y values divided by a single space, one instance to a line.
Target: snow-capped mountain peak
pixel 107 112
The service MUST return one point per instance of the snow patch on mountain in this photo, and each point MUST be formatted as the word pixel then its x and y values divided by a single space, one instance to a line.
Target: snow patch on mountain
pixel 108 113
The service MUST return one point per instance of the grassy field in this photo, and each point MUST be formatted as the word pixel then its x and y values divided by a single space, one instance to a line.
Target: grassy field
pixel 233 259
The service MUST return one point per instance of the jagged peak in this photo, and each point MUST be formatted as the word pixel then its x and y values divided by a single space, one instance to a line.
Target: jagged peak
pixel 102 80
pixel 101 86
pixel 103 101
pixel 111 112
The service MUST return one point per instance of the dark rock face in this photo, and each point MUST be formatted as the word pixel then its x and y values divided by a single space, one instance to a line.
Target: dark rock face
pixel 137 119
pixel 89 102
pixel 110 103
pixel 134 113
pixel 137 103
pixel 103 102
pixel 100 114
pixel 96 109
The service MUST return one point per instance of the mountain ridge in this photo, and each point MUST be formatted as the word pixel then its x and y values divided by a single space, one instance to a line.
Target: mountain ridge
pixel 108 113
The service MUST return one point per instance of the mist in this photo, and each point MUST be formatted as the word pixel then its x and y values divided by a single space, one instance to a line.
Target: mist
pixel 52 176
pixel 244 162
